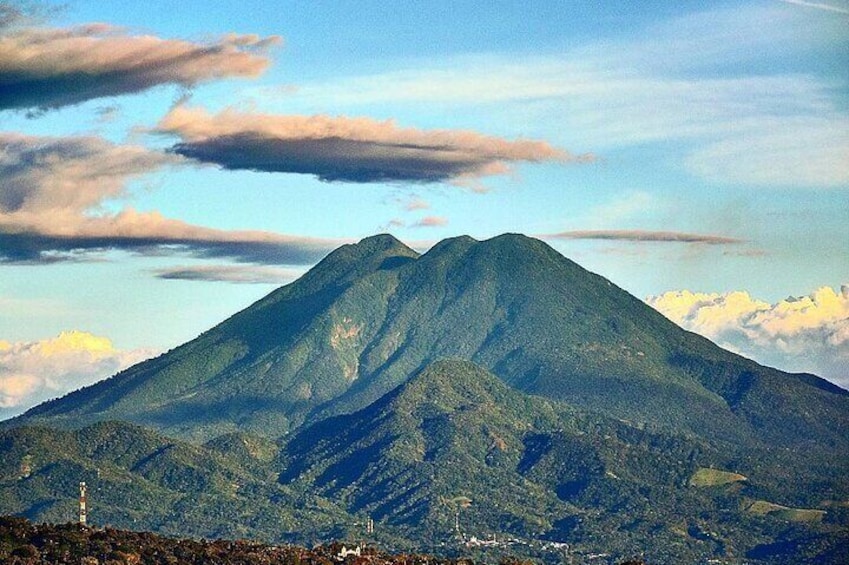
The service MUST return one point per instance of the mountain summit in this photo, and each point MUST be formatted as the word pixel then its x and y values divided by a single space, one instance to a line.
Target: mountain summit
pixel 372 314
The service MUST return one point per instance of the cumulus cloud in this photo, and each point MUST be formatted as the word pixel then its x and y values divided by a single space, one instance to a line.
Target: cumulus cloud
pixel 54 197
pixel 645 236
pixel 807 333
pixel 33 372
pixel 358 150
pixel 49 68
pixel 240 274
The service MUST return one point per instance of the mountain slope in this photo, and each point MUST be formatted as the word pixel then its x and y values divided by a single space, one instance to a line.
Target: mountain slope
pixel 453 442
pixel 138 479
pixel 452 431
pixel 372 314
pixel 258 370
pixel 456 443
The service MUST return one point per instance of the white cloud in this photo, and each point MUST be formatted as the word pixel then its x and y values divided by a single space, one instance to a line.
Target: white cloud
pixel 803 152
pixel 807 333
pixel 33 372
pixel 699 81
pixel 624 207
pixel 818 5
pixel 772 131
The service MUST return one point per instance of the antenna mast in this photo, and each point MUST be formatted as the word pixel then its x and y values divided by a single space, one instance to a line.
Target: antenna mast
pixel 82 505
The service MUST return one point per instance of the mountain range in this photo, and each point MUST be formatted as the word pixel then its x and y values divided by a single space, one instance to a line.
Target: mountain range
pixel 482 387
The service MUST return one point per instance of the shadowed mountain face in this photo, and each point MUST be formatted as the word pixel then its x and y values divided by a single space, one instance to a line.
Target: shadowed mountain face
pixel 372 314
pixel 451 432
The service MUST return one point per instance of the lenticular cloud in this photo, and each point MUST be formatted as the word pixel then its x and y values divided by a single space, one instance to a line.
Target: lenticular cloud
pixel 49 68
pixel 358 150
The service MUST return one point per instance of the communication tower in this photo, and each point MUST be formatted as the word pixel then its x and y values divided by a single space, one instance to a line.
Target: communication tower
pixel 82 505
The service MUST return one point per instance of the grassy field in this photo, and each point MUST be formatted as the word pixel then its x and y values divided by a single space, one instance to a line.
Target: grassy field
pixel 705 477
pixel 763 507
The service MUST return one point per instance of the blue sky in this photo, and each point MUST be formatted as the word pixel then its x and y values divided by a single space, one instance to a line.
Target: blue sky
pixel 669 146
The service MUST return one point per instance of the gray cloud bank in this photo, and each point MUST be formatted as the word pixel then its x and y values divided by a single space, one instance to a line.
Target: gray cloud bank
pixel 49 68
pixel 359 150
pixel 239 274
pixel 205 243
pixel 645 236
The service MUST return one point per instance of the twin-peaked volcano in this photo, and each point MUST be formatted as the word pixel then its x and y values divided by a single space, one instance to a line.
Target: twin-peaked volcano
pixel 372 314
pixel 493 386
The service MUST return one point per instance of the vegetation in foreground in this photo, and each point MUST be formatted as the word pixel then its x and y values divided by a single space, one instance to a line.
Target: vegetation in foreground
pixel 24 543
